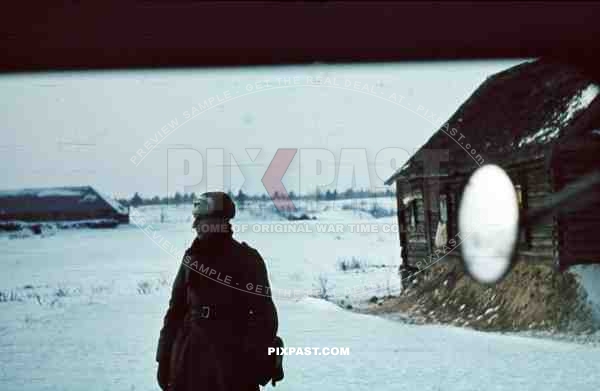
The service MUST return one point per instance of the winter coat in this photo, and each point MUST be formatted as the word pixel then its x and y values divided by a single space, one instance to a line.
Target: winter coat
pixel 220 319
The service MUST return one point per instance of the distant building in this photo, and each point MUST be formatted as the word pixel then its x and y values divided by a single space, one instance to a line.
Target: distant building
pixel 539 121
pixel 61 204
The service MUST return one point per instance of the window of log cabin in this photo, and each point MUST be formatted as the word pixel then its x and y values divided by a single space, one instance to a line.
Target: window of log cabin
pixel 413 215
pixel 519 191
pixel 445 215
pixel 443 209
pixel 521 199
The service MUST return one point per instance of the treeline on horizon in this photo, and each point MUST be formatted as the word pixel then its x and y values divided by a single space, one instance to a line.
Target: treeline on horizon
pixel 242 197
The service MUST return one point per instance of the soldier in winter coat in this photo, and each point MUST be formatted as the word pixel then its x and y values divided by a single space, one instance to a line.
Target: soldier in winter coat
pixel 221 318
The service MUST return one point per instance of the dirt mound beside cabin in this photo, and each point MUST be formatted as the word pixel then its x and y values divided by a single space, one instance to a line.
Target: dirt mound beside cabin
pixel 531 297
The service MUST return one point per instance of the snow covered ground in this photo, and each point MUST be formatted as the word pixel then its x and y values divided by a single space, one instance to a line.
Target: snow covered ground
pixel 82 309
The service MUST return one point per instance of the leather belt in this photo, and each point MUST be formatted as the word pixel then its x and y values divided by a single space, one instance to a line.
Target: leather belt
pixel 210 312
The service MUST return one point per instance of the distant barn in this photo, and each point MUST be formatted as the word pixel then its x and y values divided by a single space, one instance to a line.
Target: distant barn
pixel 61 204
pixel 540 121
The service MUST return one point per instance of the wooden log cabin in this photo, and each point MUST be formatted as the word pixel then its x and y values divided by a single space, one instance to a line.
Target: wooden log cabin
pixel 540 121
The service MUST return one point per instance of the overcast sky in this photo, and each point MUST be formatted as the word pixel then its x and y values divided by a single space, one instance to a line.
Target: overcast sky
pixel 87 128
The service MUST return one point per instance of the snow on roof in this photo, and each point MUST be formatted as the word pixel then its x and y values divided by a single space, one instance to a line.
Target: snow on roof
pixel 59 193
pixel 89 198
pixel 512 116
pixel 580 101
pixel 46 192
pixel 57 200
pixel 112 202
pixel 583 100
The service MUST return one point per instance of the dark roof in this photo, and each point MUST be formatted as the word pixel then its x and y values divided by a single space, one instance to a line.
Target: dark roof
pixel 58 199
pixel 514 115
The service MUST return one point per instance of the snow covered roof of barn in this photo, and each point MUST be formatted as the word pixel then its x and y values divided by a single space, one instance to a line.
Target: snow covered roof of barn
pixel 57 199
pixel 515 115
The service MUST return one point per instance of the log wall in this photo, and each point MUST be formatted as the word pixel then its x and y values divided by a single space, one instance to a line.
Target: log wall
pixel 579 230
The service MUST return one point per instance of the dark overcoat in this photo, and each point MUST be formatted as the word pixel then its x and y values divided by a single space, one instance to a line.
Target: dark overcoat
pixel 220 319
